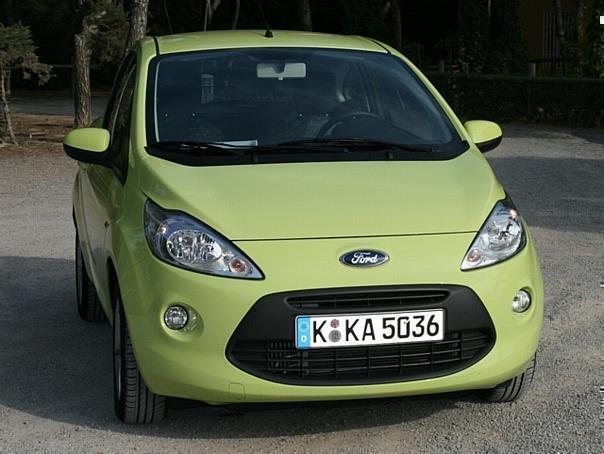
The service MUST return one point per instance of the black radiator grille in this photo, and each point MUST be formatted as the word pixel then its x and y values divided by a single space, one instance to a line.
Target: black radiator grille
pixel 263 343
pixel 386 299
pixel 280 359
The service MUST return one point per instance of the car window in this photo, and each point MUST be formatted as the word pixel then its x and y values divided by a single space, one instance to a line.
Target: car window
pixel 268 96
pixel 119 125
pixel 118 86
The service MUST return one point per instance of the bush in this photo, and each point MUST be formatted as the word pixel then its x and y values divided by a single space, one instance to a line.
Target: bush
pixel 595 57
pixel 552 100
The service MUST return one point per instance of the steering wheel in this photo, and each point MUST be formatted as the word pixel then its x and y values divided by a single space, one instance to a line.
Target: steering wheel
pixel 342 118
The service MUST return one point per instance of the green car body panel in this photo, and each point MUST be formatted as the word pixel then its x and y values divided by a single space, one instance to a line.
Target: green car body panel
pixel 294 220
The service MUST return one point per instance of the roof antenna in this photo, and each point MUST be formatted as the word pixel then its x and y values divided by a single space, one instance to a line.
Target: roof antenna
pixel 268 33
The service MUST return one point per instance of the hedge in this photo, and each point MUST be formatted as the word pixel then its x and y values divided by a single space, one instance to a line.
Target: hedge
pixel 575 102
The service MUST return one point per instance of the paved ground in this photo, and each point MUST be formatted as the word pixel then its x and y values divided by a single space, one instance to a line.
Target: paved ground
pixel 55 379
pixel 53 102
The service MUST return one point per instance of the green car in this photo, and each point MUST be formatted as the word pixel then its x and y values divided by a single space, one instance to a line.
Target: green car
pixel 297 217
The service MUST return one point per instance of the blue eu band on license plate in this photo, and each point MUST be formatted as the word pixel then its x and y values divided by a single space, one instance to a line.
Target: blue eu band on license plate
pixel 350 330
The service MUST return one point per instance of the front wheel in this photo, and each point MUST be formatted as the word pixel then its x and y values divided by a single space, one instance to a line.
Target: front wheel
pixel 512 389
pixel 134 402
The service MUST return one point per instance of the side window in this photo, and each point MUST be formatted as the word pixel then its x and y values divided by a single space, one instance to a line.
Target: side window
pixel 118 86
pixel 119 124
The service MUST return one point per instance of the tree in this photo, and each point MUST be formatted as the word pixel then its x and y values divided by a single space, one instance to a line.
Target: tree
pixel 138 22
pixel 236 12
pixel 6 12
pixel 209 9
pixel 473 34
pixel 82 56
pixel 305 14
pixel 581 43
pixel 7 19
pixel 360 17
pixel 397 30
pixel 595 48
pixel 100 25
pixel 560 23
pixel 17 51
pixel 490 36
pixel 506 46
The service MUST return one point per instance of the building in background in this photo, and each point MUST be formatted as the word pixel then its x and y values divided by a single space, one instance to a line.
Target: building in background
pixel 552 35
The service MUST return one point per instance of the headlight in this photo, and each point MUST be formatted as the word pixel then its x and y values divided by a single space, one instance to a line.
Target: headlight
pixel 183 241
pixel 501 237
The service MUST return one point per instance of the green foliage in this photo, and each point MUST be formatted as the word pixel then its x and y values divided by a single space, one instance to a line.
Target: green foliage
pixel 595 53
pixel 506 49
pixel 364 17
pixel 491 41
pixel 513 98
pixel 113 28
pixel 473 34
pixel 17 51
pixel 52 24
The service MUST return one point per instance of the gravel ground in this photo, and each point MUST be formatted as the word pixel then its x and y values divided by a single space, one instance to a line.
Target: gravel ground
pixel 54 102
pixel 55 371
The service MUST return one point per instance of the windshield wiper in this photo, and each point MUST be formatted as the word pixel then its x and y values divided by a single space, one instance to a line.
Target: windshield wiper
pixel 303 146
pixel 200 148
pixel 348 145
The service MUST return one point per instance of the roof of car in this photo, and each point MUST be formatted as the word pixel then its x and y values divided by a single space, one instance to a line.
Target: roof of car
pixel 227 39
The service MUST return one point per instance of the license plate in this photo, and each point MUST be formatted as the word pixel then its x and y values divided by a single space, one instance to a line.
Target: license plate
pixel 353 330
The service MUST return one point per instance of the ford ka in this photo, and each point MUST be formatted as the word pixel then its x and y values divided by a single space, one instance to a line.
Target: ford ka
pixel 296 217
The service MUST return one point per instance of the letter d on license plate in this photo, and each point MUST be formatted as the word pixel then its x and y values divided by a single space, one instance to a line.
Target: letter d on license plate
pixel 353 330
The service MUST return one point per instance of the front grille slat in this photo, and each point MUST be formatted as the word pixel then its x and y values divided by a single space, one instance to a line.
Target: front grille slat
pixel 385 299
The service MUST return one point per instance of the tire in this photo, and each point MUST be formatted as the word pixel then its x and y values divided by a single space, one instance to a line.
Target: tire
pixel 134 402
pixel 89 306
pixel 512 389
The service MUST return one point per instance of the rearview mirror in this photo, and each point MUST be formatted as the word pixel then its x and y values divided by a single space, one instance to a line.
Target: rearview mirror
pixel 281 70
pixel 87 145
pixel 486 135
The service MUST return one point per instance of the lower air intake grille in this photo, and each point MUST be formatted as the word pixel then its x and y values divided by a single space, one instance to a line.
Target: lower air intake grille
pixel 281 360
pixel 263 343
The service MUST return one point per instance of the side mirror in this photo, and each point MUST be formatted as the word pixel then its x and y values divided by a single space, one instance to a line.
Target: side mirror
pixel 486 135
pixel 87 145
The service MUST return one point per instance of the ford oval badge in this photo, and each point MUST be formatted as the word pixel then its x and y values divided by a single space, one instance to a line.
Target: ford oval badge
pixel 364 258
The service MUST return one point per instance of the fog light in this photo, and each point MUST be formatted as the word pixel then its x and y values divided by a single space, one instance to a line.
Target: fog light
pixel 176 317
pixel 521 301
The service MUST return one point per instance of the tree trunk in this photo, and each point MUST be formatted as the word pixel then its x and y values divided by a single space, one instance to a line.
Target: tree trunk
pixel 385 9
pixel 206 14
pixel 305 14
pixel 581 22
pixel 581 43
pixel 82 95
pixel 236 14
pixel 138 22
pixel 81 69
pixel 397 30
pixel 210 8
pixel 6 108
pixel 560 24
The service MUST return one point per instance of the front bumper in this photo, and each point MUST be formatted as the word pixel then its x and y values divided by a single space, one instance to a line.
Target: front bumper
pixel 195 365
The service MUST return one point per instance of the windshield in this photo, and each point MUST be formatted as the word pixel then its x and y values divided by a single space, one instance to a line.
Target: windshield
pixel 264 97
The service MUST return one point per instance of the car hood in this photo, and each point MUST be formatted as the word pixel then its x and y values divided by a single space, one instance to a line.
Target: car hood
pixel 329 199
